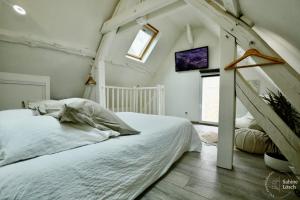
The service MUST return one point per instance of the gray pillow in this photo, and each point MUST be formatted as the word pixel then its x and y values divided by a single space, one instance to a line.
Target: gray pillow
pixel 46 107
pixel 93 114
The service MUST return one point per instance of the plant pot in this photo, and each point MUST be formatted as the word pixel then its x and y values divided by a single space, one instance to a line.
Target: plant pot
pixel 277 162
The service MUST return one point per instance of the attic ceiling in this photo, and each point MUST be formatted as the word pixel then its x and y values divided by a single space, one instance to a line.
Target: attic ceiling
pixel 77 24
pixel 170 26
pixel 280 17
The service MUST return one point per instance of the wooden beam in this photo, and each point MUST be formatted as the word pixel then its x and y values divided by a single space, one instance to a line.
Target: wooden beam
pixel 232 6
pixel 175 7
pixel 99 64
pixel 284 138
pixel 131 14
pixel 36 42
pixel 284 76
pixel 227 102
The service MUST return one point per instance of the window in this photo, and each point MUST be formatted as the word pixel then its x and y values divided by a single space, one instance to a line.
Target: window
pixel 142 43
pixel 210 98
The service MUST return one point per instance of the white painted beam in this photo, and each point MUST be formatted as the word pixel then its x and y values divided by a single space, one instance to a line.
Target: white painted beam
pixel 131 14
pixel 232 6
pixel 273 125
pixel 175 7
pixel 36 42
pixel 284 76
pixel 227 102
pixel 99 64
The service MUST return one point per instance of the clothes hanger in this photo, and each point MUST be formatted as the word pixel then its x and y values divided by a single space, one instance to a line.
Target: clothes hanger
pixel 254 52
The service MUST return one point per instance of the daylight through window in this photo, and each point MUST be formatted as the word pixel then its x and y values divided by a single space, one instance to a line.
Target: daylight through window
pixel 142 42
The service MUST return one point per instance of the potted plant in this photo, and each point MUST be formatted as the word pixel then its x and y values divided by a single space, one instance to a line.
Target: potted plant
pixel 283 108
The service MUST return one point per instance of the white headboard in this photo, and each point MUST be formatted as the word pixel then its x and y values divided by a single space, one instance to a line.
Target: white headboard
pixel 15 88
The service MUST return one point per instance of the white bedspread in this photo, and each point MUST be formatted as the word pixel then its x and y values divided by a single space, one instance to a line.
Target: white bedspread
pixel 119 168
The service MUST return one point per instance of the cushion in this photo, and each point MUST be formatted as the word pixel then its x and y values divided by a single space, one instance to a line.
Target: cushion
pixel 93 114
pixel 251 141
pixel 244 122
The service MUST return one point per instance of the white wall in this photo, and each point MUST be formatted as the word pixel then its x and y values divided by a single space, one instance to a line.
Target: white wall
pixel 183 89
pixel 72 23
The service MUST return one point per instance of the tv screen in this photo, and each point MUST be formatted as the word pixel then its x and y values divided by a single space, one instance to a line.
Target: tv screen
pixel 191 59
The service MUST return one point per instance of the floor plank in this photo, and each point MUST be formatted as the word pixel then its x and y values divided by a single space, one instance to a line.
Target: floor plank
pixel 196 177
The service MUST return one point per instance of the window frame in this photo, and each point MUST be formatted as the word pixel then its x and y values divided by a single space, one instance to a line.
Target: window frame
pixel 155 33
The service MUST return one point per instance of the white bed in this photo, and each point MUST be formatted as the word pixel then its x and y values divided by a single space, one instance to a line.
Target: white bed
pixel 120 168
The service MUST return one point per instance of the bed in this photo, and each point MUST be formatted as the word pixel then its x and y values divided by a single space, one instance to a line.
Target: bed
pixel 119 168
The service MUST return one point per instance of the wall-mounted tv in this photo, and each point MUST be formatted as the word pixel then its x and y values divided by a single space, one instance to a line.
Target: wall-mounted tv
pixel 191 59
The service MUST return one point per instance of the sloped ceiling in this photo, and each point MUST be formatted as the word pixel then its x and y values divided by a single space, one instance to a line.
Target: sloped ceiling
pixel 278 16
pixel 72 22
pixel 170 26
pixel 76 23
pixel 277 22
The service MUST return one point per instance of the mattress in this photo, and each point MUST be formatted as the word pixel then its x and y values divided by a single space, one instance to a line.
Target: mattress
pixel 120 168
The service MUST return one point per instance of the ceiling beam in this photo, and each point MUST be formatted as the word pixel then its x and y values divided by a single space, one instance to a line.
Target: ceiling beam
pixel 284 76
pixel 36 42
pixel 233 7
pixel 131 14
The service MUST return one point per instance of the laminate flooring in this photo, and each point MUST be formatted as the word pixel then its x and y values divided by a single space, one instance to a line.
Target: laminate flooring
pixel 196 177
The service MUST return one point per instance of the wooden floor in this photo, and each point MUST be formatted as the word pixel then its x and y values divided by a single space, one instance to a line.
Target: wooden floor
pixel 196 177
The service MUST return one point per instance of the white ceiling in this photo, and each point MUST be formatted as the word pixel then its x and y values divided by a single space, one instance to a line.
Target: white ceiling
pixel 77 23
pixel 170 27
pixel 279 16
pixel 72 22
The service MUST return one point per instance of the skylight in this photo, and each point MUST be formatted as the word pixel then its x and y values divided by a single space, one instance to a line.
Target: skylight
pixel 143 43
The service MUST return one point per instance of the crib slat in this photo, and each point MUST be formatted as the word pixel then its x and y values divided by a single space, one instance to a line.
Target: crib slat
pixel 107 98
pixel 118 100
pixel 113 99
pixel 126 104
pixel 149 101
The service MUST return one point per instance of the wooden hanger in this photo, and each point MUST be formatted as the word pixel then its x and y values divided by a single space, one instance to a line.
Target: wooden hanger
pixel 254 52
pixel 90 80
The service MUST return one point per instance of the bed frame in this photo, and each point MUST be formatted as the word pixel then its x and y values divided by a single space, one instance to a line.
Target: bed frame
pixel 18 88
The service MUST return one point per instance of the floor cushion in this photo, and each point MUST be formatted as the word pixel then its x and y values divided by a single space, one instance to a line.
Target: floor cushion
pixel 251 141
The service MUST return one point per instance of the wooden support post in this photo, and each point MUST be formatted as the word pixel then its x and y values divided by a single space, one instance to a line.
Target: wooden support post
pixel 227 102
pixel 99 64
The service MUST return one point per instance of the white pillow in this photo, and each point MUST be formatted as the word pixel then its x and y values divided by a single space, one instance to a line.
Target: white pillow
pixel 17 113
pixel 244 122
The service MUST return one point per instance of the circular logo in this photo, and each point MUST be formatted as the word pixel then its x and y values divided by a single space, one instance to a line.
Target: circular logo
pixel 280 185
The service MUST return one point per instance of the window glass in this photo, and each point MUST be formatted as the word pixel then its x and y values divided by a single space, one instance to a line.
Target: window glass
pixel 210 99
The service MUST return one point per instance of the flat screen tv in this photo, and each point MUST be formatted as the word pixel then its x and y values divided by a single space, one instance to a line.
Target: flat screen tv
pixel 191 59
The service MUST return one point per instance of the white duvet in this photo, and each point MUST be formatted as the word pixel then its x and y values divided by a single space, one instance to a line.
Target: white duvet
pixel 119 168
pixel 24 136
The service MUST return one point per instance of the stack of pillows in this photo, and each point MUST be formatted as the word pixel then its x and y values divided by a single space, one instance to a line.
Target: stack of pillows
pixel 82 111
